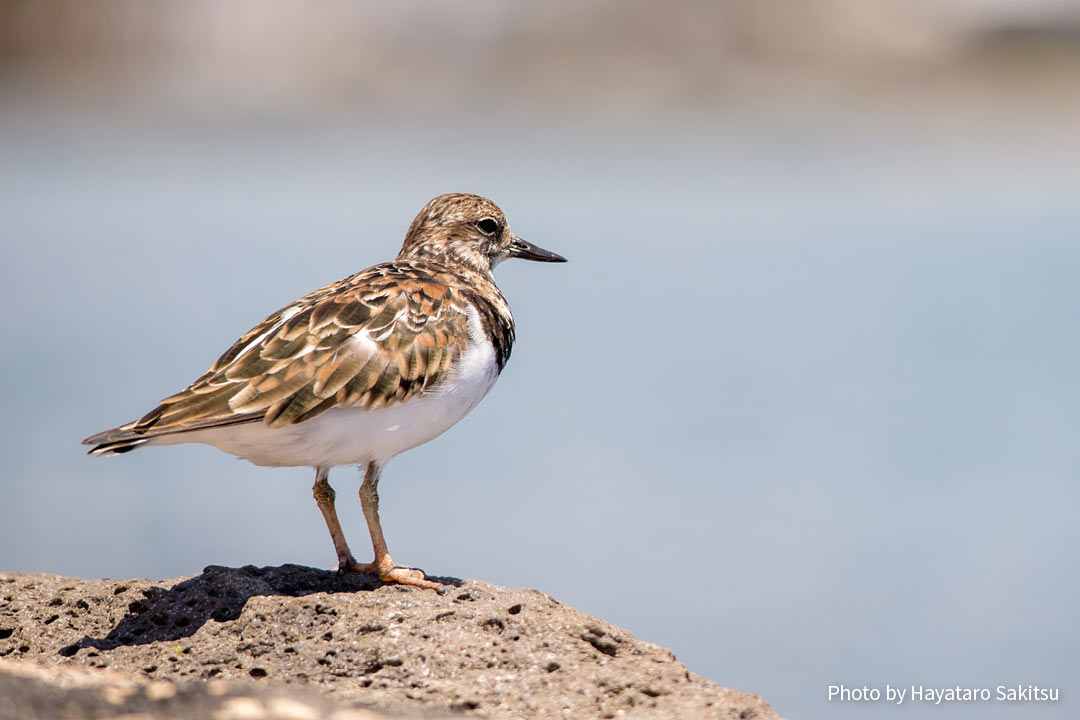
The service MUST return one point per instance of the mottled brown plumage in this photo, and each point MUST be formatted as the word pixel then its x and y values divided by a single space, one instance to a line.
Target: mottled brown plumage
pixel 304 359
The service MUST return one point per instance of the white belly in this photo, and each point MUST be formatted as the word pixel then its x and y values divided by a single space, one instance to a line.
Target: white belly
pixel 353 436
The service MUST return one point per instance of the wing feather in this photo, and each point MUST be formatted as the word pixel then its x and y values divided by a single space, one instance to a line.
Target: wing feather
pixel 377 338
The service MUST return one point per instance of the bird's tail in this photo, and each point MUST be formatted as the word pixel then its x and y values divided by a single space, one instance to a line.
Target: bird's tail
pixel 116 441
pixel 145 430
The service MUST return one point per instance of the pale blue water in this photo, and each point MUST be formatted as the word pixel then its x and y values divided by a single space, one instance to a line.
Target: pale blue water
pixel 803 406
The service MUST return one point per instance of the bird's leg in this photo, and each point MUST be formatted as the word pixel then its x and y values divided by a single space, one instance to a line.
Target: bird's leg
pixel 383 566
pixel 324 496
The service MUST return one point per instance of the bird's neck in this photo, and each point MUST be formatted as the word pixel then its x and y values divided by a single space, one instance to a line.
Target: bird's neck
pixel 451 254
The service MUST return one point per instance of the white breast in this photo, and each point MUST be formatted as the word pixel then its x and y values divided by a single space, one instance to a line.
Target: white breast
pixel 352 436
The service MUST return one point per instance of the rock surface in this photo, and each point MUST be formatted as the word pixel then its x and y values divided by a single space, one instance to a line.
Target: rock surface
pixel 38 692
pixel 295 642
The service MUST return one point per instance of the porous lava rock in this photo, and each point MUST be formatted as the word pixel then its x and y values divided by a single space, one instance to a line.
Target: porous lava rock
pixel 333 643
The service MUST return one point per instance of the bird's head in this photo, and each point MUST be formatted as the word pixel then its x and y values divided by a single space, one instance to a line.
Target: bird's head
pixel 467 230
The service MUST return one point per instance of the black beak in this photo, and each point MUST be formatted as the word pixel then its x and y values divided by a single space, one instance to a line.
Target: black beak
pixel 527 251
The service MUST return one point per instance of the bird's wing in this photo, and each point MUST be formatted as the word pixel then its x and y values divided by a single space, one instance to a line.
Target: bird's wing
pixel 377 338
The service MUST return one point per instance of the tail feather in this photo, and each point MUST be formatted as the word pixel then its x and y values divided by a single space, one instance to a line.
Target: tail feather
pixel 115 441
pixel 117 448
pixel 126 438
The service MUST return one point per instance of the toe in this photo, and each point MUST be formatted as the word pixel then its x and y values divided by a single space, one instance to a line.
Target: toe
pixel 408 576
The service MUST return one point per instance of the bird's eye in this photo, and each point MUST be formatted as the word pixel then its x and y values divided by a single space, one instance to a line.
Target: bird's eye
pixel 487 225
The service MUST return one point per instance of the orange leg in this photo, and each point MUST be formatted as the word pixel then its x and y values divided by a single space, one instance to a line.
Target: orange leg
pixel 383 566
pixel 324 497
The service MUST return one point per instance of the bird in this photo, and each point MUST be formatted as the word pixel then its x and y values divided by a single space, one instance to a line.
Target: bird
pixel 361 370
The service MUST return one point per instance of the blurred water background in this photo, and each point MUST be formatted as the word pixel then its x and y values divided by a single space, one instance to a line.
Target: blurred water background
pixel 803 406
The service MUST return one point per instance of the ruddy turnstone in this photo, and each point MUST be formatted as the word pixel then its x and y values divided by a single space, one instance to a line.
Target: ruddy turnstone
pixel 361 370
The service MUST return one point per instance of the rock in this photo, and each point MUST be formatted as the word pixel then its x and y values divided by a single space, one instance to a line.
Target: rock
pixel 37 692
pixel 331 643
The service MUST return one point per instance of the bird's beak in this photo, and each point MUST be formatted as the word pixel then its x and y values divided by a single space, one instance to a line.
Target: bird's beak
pixel 527 251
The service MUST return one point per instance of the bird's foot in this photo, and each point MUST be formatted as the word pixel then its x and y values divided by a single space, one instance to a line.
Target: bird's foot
pixel 386 571
pixel 409 576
